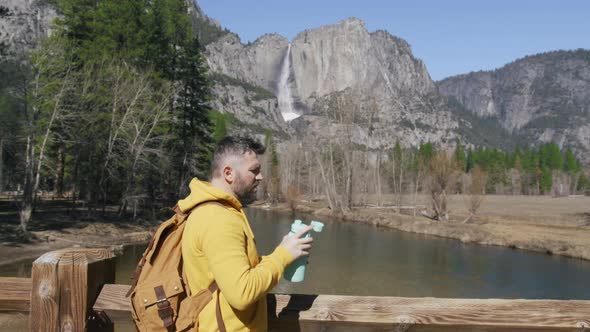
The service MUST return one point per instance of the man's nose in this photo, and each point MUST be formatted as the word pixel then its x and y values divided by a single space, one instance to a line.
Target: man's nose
pixel 259 177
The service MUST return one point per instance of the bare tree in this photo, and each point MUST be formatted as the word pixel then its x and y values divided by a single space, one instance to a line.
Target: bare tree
pixel 60 170
pixel 55 113
pixel 143 108
pixel 41 85
pixel 442 172
pixel 419 174
pixel 515 180
pixel 127 92
pixel 292 196
pixel 379 189
pixel 398 161
pixel 371 112
pixel 476 191
pixel 140 134
pixel 349 106
pixel 561 183
pixel 329 186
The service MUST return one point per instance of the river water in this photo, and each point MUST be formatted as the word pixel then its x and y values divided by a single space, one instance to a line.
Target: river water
pixel 358 259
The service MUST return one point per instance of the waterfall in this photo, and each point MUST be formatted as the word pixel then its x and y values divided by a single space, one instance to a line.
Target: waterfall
pixel 285 98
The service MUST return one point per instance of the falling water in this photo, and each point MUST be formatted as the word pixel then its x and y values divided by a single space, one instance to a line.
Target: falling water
pixel 285 99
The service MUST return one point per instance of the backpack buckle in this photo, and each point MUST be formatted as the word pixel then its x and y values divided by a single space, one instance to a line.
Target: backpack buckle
pixel 166 314
pixel 162 301
pixel 165 311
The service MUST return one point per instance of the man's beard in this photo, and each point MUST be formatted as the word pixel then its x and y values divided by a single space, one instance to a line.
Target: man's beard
pixel 245 193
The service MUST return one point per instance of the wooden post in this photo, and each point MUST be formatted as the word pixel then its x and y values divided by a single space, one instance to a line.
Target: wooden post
pixel 65 285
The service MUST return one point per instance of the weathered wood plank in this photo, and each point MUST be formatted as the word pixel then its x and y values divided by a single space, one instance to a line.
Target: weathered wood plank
pixel 45 293
pixel 100 273
pixel 72 277
pixel 65 284
pixel 369 313
pixel 15 294
pixel 311 326
pixel 435 311
pixel 112 298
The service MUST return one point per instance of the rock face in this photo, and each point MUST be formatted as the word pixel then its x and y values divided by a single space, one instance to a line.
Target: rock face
pixel 541 98
pixel 346 55
pixel 250 88
pixel 197 13
pixel 255 111
pixel 258 63
pixel 397 100
pixel 22 22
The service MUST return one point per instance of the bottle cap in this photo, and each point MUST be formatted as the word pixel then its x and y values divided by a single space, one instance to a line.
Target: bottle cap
pixel 317 226
pixel 297 226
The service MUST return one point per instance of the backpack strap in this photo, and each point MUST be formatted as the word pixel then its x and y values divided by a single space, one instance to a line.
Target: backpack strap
pixel 214 288
pixel 139 268
pixel 165 312
pixel 179 212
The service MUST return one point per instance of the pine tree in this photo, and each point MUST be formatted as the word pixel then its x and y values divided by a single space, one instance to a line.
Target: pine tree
pixel 469 163
pixel 459 156
pixel 571 164
pixel 550 156
pixel 426 152
pixel 583 184
pixel 274 178
pixel 546 180
pixel 220 125
pixel 193 107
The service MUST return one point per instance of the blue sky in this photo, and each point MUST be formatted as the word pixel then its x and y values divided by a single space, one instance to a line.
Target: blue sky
pixel 451 36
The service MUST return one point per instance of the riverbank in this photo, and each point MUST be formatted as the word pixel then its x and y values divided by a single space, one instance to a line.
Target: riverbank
pixel 97 235
pixel 556 226
pixel 57 225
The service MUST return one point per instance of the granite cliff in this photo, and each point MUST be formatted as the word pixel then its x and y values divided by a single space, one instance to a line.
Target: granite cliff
pixel 396 98
pixel 22 22
pixel 540 98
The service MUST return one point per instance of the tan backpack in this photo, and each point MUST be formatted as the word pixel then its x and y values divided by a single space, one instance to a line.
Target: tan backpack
pixel 161 299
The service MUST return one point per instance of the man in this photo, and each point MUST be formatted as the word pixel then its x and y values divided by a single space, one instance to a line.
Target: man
pixel 218 243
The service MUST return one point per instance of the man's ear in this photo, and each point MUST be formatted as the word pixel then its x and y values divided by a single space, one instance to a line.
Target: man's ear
pixel 228 174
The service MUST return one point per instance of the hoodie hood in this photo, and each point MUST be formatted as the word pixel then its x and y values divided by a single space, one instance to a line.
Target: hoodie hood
pixel 202 191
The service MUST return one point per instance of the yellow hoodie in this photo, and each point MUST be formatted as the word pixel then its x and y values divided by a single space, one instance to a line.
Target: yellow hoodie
pixel 218 244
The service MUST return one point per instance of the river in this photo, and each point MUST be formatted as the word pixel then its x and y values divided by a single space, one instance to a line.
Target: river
pixel 358 259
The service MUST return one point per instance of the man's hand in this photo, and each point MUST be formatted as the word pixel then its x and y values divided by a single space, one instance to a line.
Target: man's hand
pixel 297 245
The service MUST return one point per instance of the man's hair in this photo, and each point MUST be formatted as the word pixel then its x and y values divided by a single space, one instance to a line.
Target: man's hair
pixel 233 146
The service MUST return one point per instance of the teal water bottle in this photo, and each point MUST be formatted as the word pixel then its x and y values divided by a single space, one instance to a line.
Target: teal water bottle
pixel 295 272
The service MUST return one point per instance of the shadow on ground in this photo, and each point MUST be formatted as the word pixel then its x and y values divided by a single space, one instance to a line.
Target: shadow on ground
pixel 62 216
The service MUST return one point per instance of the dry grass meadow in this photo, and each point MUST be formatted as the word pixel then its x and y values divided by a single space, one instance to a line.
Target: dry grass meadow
pixel 554 225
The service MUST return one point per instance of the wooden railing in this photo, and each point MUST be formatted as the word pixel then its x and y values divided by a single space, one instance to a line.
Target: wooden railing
pixel 73 290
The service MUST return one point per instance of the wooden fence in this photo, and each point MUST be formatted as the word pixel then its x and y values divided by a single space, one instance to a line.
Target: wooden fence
pixel 73 290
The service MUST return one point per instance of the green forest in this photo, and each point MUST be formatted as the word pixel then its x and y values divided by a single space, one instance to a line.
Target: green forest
pixel 113 107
